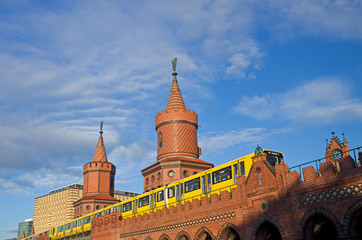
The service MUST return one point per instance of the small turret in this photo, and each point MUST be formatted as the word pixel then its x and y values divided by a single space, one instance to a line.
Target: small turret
pixel 98 190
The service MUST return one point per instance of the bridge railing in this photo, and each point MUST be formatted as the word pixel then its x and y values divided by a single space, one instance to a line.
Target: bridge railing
pixel 354 153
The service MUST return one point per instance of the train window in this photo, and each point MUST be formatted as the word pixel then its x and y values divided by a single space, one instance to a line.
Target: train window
pixel 192 185
pixel 274 158
pixel 160 196
pixel 60 229
pixel 144 201
pixel 108 211
pixel 242 168
pixel 67 227
pixel 127 207
pixel 87 220
pixel 221 175
pixel 97 215
pixel 171 192
pixel 75 224
pixel 114 209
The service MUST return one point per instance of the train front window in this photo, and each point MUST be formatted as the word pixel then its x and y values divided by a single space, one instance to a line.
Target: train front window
pixel 221 175
pixel 144 201
pixel 274 157
pixel 127 207
pixel 192 185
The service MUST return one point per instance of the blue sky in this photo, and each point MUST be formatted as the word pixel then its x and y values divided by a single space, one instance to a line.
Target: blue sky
pixel 281 74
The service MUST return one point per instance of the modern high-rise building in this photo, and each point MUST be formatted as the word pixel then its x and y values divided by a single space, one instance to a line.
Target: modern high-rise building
pixel 56 207
pixel 25 227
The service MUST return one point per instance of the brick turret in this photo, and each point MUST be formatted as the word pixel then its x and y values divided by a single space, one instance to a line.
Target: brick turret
pixel 336 149
pixel 98 190
pixel 177 149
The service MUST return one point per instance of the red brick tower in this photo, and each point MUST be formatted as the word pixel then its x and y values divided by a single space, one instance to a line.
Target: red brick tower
pixel 98 190
pixel 177 149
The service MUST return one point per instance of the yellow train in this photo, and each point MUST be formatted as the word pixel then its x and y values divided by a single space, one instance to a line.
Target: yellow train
pixel 211 181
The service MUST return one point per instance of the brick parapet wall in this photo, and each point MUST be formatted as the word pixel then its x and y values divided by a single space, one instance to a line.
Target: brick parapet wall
pixel 283 200
pixel 99 166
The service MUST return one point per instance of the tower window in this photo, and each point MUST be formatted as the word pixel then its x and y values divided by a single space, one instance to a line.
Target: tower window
pixel 160 140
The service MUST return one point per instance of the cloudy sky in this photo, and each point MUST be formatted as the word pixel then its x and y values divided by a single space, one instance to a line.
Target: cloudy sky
pixel 281 74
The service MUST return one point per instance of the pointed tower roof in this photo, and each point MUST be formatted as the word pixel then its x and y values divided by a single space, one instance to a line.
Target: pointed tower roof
pixel 100 153
pixel 175 99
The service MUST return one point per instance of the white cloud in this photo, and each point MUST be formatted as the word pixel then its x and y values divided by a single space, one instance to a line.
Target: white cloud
pixel 322 100
pixel 339 19
pixel 215 142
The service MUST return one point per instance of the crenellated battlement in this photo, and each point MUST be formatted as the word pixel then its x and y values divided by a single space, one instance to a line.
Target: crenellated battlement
pixel 172 115
pixel 327 174
pixel 96 166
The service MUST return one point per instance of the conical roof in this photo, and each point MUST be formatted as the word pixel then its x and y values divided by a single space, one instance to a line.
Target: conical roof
pixel 100 153
pixel 175 99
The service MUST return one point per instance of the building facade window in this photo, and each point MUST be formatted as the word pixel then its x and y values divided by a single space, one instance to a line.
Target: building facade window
pixel 259 176
pixel 171 173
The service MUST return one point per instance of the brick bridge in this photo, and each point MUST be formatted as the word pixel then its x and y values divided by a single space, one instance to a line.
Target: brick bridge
pixel 274 204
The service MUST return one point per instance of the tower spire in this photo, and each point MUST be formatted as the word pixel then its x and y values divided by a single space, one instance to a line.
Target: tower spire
pixel 100 152
pixel 175 99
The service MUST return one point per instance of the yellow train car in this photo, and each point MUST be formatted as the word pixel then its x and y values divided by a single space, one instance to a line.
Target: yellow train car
pixel 215 180
pixel 211 181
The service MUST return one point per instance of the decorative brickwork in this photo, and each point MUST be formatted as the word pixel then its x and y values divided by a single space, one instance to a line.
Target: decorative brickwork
pixel 336 193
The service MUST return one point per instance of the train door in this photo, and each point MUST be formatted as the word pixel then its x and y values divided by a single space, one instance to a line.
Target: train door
pixel 134 209
pixel 206 180
pixel 179 192
pixel 153 201
pixel 166 197
pixel 235 171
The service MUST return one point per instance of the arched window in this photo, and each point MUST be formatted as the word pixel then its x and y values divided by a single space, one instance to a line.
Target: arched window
pixel 259 176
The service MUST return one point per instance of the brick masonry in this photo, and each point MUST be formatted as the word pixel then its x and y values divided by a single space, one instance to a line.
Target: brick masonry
pixel 281 199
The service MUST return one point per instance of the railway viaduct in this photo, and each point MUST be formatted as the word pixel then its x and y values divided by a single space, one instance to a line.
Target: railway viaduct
pixel 269 204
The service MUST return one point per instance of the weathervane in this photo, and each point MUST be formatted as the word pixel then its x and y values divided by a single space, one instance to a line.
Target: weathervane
pixel 101 127
pixel 174 61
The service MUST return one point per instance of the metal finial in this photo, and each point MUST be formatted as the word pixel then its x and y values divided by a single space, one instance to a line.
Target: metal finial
pixel 101 127
pixel 333 134
pixel 174 61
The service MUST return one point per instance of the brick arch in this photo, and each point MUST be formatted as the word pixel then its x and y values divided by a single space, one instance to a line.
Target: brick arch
pixel 201 234
pixel 225 230
pixel 271 220
pixel 183 236
pixel 322 211
pixel 148 238
pixel 350 214
pixel 164 237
